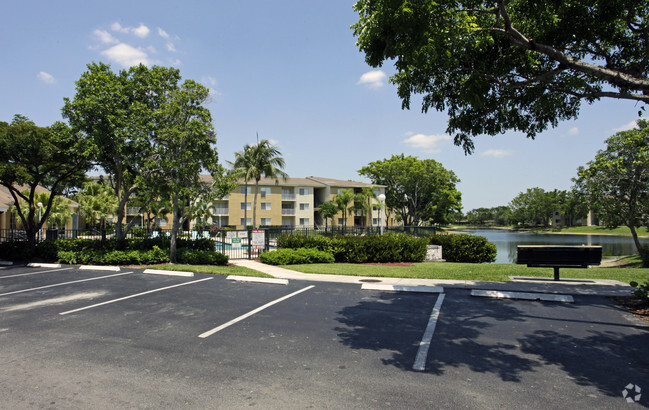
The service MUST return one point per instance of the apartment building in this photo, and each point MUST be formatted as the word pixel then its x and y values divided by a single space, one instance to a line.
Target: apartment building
pixel 290 202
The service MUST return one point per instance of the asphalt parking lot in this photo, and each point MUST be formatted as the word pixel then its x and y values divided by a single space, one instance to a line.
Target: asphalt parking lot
pixel 82 338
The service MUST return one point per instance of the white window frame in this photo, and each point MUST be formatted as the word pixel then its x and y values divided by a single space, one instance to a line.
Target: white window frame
pixel 304 206
pixel 304 221
pixel 266 221
pixel 265 206
pixel 247 206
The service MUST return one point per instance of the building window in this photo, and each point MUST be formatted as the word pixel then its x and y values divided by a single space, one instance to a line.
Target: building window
pixel 160 222
pixel 265 206
pixel 265 190
pixel 266 221
pixel 304 221
pixel 246 206
pixel 375 221
pixel 243 190
pixel 245 222
pixel 341 221
pixel 304 191
pixel 304 207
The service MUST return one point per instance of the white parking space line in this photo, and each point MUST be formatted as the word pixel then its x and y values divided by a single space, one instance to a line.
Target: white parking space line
pixel 63 284
pixel 523 296
pixel 169 272
pixel 133 296
pixel 252 312
pixel 402 288
pixel 257 280
pixel 34 273
pixel 424 345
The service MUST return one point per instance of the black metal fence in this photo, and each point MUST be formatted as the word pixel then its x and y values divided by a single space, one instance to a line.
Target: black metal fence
pixel 237 244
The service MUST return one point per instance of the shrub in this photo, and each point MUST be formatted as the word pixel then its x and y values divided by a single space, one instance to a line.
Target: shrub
pixel 14 250
pixel 201 257
pixel 296 256
pixel 362 249
pixel 641 292
pixel 465 248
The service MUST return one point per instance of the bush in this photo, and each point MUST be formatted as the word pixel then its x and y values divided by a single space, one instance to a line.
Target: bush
pixel 201 257
pixel 362 249
pixel 296 256
pixel 94 257
pixel 644 255
pixel 641 292
pixel 14 250
pixel 464 248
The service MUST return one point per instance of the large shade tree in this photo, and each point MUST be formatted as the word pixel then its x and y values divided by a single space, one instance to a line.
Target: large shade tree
pixel 417 190
pixel 118 112
pixel 34 157
pixel 616 182
pixel 498 65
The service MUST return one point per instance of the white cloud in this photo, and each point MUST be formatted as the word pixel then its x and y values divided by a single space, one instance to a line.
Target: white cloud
pixel 105 37
pixel 176 63
pixel 47 78
pixel 427 143
pixel 118 27
pixel 573 131
pixel 171 47
pixel 141 31
pixel 126 55
pixel 373 79
pixel 162 33
pixel 628 126
pixel 497 153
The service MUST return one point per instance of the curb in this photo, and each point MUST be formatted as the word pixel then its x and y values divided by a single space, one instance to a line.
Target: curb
pixel 401 288
pixel 106 268
pixel 523 296
pixel 169 273
pixel 254 279
pixel 44 265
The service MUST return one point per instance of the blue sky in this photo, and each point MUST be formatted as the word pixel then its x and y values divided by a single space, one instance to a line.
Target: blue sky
pixel 290 71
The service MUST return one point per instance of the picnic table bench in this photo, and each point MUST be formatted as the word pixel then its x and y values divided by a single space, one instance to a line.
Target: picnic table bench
pixel 558 256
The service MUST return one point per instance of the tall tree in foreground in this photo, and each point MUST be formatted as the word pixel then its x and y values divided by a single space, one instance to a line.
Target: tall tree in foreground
pixel 117 111
pixel 260 160
pixel 417 190
pixel 344 201
pixel 498 65
pixel 185 145
pixel 52 157
pixel 328 210
pixel 616 182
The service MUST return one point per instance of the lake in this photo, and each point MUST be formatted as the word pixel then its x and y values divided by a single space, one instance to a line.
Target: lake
pixel 506 242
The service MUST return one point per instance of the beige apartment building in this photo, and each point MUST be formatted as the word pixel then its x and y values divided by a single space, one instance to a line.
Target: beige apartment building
pixel 292 202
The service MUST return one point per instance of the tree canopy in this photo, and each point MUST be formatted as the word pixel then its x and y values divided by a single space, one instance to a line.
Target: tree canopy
pixel 119 113
pixel 499 65
pixel 32 157
pixel 616 182
pixel 417 190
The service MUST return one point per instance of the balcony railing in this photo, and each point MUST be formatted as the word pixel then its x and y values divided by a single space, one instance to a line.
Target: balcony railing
pixel 288 197
pixel 286 211
pixel 221 211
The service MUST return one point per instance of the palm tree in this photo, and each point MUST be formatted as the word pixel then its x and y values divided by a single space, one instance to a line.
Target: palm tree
pixel 328 209
pixel 343 200
pixel 363 202
pixel 242 166
pixel 97 201
pixel 262 159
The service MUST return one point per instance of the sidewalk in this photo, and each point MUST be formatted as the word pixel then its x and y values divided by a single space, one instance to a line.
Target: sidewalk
pixel 518 284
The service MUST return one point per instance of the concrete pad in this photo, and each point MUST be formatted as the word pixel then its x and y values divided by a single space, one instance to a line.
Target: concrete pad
pixel 169 273
pixel 257 280
pixel 44 265
pixel 545 297
pixel 400 288
pixel 105 268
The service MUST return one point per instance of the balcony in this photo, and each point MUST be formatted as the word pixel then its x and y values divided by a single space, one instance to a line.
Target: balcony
pixel 132 210
pixel 221 211
pixel 288 211
pixel 288 197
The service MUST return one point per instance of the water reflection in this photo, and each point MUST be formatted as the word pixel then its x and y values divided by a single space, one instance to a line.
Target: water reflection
pixel 507 241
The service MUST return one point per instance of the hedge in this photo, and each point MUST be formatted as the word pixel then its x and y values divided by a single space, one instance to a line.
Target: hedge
pixel 139 257
pixel 296 256
pixel 390 247
pixel 464 248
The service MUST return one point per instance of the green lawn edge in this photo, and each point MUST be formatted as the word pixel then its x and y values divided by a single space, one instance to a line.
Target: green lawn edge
pixel 212 269
pixel 471 271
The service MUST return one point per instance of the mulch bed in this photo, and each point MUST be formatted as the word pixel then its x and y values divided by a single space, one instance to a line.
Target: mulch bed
pixel 639 308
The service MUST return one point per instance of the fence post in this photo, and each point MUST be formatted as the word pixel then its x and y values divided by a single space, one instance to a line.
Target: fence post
pixel 103 234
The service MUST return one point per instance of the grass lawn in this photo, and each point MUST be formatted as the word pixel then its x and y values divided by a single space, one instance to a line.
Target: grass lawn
pixel 216 270
pixel 472 271
pixel 598 230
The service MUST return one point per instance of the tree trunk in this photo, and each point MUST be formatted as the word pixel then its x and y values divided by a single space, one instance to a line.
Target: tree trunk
pixel 254 205
pixel 174 230
pixel 636 241
pixel 245 205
